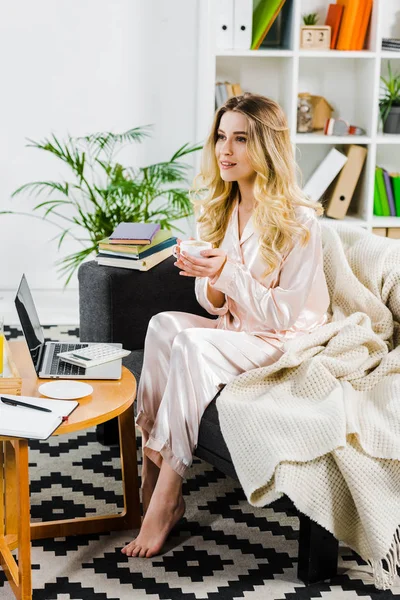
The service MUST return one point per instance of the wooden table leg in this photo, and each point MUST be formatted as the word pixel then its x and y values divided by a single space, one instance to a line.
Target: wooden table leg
pixel 15 516
pixel 130 478
pixel 129 518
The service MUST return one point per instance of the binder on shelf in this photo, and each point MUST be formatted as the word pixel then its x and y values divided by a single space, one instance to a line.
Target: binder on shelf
pixel 389 193
pixel 324 174
pixel 382 192
pixel 224 24
pixel 242 24
pixel 333 19
pixel 346 183
pixel 263 17
pixel 395 177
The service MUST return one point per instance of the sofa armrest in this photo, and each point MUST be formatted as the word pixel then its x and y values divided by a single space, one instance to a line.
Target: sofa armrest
pixel 116 305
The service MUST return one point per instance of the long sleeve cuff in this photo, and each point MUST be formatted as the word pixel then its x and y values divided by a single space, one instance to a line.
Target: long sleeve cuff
pixel 202 298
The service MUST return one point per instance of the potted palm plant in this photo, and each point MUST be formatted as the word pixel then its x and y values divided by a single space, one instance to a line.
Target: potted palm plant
pixel 389 102
pixel 102 192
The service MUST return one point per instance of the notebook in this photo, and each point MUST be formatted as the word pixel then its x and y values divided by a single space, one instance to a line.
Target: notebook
pixel 18 421
pixel 134 233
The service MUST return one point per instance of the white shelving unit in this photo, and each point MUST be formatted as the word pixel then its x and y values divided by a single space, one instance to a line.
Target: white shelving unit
pixel 350 81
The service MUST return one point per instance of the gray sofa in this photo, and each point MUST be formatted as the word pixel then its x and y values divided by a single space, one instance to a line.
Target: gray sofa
pixel 115 306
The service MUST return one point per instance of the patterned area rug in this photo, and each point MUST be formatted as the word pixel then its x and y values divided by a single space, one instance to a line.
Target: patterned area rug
pixel 222 549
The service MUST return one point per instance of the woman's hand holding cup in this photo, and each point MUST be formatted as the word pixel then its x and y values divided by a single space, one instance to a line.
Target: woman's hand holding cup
pixel 199 259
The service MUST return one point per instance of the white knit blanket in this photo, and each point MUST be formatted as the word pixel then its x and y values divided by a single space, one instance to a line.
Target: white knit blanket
pixel 322 424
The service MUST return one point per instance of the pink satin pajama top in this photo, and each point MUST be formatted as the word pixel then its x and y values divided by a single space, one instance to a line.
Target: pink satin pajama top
pixel 290 301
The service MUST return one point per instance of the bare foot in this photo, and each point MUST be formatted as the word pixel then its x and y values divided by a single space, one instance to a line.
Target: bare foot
pixel 147 492
pixel 160 519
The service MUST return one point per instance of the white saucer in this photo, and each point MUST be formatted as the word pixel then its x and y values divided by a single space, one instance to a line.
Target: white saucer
pixel 65 390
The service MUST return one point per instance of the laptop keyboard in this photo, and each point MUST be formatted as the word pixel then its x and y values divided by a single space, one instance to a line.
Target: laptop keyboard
pixel 59 367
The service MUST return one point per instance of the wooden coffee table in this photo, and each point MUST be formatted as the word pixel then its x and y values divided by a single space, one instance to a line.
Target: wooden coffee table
pixel 109 399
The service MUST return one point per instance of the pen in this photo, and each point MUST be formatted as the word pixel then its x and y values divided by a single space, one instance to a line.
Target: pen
pixel 12 402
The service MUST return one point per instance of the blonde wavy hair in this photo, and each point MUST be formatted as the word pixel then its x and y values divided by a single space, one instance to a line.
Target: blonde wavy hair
pixel 276 191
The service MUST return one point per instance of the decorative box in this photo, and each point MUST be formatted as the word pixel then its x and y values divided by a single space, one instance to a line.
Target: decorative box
pixel 315 37
pixel 11 382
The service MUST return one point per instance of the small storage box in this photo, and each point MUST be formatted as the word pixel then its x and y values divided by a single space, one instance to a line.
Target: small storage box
pixel 11 381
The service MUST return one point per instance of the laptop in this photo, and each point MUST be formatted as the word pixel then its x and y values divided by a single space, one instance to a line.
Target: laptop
pixel 44 354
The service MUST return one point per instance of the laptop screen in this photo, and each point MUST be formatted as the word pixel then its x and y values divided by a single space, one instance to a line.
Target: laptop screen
pixel 29 321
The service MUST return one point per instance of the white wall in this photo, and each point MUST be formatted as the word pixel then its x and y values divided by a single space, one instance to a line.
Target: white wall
pixel 80 67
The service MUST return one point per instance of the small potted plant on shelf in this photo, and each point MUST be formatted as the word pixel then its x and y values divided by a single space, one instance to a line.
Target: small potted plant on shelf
pixel 100 192
pixel 313 36
pixel 389 102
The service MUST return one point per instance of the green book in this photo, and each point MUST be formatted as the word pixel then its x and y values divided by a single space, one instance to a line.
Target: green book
pixel 395 177
pixel 264 15
pixel 382 192
pixel 377 200
pixel 160 236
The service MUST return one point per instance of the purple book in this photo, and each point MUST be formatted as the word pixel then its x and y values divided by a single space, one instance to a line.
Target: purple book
pixel 389 192
pixel 134 233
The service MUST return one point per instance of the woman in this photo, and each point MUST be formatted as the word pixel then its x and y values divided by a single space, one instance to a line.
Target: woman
pixel 263 278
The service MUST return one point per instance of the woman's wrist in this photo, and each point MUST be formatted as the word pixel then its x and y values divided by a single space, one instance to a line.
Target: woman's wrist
pixel 213 279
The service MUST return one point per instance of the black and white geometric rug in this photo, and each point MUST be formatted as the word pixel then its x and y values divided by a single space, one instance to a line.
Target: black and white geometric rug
pixel 223 548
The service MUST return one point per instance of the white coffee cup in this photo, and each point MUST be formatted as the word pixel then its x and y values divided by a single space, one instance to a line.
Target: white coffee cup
pixel 192 247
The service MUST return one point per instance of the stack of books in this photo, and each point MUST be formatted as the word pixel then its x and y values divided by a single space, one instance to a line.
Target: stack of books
pixel 138 246
pixel 392 44
pixel 386 193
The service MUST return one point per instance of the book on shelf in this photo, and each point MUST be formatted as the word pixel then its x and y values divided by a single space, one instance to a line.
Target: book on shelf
pixel 134 233
pixel 121 250
pixel 133 263
pixel 135 249
pixel 395 178
pixel 389 193
pixel 391 44
pixel 333 19
pixel 324 174
pixel 264 15
pixel 377 200
pixel 382 192
pixel 354 24
pixel 361 33
pixel 346 182
pixel 23 422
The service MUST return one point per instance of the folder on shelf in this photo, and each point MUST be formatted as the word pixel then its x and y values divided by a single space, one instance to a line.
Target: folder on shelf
pixel 395 177
pixel 382 192
pixel 242 24
pixel 352 10
pixel 224 24
pixel 346 183
pixel 389 192
pixel 377 200
pixel 359 40
pixel 324 174
pixel 263 17
pixel 333 19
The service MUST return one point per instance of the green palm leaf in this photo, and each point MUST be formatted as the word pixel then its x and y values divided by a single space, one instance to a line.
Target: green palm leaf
pixel 103 193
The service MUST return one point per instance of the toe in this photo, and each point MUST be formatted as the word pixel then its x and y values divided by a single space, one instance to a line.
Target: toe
pixel 142 552
pixel 129 548
pixel 136 551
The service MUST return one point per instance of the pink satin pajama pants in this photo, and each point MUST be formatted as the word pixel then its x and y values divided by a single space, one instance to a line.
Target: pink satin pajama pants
pixel 185 360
